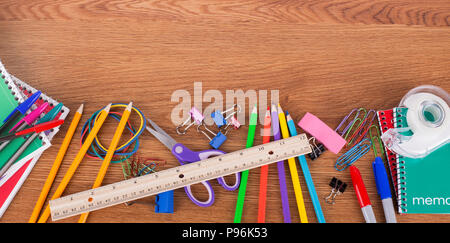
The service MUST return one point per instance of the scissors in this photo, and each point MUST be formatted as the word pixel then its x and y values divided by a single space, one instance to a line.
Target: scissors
pixel 184 155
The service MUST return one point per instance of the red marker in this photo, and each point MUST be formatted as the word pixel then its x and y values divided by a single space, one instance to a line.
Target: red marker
pixel 37 129
pixel 361 194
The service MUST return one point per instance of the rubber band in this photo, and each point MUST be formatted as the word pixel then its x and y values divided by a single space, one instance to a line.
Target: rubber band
pixel 97 150
pixel 93 153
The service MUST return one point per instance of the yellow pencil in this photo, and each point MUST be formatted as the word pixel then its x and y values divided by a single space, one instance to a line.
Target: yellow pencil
pixel 59 158
pixel 73 167
pixel 293 169
pixel 112 148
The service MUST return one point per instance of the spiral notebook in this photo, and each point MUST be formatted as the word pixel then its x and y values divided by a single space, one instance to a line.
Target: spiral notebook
pixel 424 187
pixel 386 122
pixel 10 97
pixel 12 92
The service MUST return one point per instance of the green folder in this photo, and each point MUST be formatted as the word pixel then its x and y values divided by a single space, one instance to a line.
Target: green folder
pixel 9 99
pixel 424 185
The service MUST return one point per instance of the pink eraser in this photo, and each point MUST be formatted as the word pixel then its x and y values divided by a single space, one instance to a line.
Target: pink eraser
pixel 318 129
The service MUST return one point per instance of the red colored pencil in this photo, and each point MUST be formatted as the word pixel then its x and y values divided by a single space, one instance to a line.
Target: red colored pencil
pixel 264 172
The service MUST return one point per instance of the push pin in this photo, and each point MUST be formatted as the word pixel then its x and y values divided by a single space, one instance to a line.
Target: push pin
pixel 196 115
pixel 218 139
pixel 317 149
pixel 338 187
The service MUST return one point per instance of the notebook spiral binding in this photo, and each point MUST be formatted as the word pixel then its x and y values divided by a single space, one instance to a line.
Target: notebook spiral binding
pixel 28 90
pixel 386 122
pixel 400 122
pixel 402 187
pixel 11 86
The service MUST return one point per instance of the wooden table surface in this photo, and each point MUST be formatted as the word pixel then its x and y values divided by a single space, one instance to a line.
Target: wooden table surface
pixel 324 57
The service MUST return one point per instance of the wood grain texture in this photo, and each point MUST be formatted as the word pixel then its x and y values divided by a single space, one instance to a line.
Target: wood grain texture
pixel 324 57
pixel 408 12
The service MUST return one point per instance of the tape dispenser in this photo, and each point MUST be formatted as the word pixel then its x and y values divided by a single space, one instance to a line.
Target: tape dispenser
pixel 428 119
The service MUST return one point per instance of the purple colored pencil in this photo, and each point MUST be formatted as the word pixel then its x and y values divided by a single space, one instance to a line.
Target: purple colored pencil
pixel 280 166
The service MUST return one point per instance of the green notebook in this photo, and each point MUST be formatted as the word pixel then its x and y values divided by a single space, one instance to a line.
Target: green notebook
pixel 10 97
pixel 424 186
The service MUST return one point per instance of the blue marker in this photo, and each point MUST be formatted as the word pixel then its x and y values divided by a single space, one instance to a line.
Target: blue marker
pixel 20 110
pixel 306 173
pixel 384 190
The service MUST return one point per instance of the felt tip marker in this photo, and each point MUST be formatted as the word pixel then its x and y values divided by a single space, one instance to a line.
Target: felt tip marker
pixel 361 194
pixel 384 190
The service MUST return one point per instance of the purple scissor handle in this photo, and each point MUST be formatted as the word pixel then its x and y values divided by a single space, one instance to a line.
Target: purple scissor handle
pixel 186 156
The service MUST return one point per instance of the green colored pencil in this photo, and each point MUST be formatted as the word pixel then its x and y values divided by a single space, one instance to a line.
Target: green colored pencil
pixel 244 175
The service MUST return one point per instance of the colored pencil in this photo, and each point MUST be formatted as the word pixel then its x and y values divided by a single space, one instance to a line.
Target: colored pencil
pixel 264 172
pixel 280 167
pixel 307 174
pixel 293 169
pixel 244 175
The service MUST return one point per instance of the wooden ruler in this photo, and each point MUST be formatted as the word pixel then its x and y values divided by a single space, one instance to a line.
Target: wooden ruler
pixel 177 177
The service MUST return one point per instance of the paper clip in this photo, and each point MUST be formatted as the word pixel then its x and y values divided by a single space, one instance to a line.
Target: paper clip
pixel 338 187
pixel 364 128
pixel 376 139
pixel 218 139
pixel 353 154
pixel 317 149
pixel 349 123
pixel 353 127
pixel 196 115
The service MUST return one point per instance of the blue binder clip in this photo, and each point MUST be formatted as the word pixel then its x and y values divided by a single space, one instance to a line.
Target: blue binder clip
pixel 164 202
pixel 218 139
pixel 218 118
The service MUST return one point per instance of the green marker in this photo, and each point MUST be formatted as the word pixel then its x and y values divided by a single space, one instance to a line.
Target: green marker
pixel 244 175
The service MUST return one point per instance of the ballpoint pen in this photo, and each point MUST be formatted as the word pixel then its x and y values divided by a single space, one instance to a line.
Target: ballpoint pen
pixel 20 110
pixel 384 190
pixel 28 120
pixel 36 129
pixel 361 194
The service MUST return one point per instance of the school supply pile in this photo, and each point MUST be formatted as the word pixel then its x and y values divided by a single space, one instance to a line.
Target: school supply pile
pixel 180 176
pixel 30 119
pixel 413 140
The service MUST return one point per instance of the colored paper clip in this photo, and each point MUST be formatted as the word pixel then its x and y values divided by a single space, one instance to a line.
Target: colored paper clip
pixel 218 139
pixel 363 128
pixel 353 154
pixel 376 140
pixel 355 124
pixel 345 120
pixel 196 115
pixel 338 187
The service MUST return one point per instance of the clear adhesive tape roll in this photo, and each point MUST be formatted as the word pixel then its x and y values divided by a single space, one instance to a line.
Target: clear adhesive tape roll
pixel 428 118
